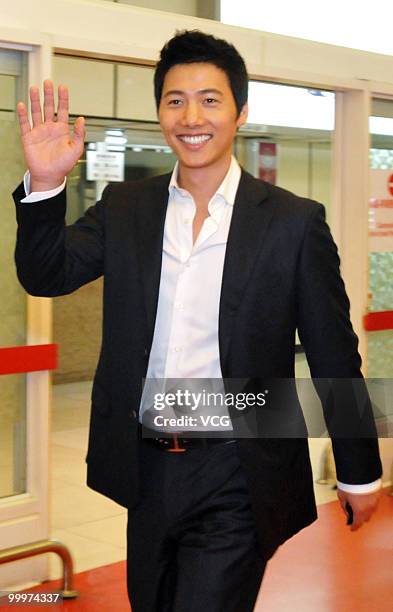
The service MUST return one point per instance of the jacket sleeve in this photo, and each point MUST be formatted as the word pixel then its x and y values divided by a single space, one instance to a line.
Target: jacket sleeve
pixel 51 258
pixel 331 347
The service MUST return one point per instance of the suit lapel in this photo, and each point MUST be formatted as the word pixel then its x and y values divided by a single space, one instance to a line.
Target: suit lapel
pixel 250 220
pixel 150 231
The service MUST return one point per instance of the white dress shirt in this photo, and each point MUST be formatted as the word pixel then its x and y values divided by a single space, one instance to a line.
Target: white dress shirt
pixel 185 342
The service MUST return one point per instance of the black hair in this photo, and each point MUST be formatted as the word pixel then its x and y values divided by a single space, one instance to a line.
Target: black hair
pixel 192 46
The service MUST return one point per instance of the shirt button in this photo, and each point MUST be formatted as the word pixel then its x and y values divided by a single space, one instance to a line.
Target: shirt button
pixel 179 305
pixel 187 220
pixel 176 349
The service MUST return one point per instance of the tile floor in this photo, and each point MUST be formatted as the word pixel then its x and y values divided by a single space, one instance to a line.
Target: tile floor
pixel 92 526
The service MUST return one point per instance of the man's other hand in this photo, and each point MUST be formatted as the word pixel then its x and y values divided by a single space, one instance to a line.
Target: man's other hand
pixel 363 505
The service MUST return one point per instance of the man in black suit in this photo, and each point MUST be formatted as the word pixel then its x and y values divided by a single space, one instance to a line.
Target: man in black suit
pixel 208 273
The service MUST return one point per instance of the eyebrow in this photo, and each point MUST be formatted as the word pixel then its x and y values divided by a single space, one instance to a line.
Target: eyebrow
pixel 179 92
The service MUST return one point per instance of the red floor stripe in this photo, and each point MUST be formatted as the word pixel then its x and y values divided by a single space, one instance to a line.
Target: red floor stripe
pixel 325 568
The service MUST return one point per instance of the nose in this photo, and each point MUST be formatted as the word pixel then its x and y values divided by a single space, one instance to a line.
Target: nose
pixel 193 115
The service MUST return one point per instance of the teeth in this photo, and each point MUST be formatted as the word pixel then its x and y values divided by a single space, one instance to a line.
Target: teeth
pixel 195 139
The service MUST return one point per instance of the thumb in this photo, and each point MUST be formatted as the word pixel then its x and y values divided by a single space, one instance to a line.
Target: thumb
pixel 342 499
pixel 79 130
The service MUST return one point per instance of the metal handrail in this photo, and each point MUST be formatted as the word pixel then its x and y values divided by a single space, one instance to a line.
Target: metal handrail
pixel 39 548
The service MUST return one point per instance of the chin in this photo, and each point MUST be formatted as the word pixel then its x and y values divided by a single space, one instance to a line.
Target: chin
pixel 196 162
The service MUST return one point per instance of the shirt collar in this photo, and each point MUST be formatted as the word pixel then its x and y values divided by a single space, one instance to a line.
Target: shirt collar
pixel 227 190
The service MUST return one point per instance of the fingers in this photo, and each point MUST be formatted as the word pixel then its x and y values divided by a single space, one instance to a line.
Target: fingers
pixel 359 519
pixel 62 108
pixel 23 118
pixel 49 101
pixel 49 104
pixel 35 103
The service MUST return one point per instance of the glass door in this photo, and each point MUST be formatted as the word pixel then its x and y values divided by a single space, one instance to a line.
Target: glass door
pixel 380 306
pixel 24 395
pixel 13 302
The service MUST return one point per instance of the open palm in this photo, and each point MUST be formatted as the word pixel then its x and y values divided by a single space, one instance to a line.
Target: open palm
pixel 50 150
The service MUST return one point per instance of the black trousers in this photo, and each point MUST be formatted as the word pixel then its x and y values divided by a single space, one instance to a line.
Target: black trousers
pixel 191 540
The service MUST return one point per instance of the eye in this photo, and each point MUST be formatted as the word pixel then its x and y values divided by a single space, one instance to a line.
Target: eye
pixel 210 101
pixel 175 102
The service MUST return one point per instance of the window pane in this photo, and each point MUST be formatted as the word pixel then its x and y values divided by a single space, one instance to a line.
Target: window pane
pixel 287 139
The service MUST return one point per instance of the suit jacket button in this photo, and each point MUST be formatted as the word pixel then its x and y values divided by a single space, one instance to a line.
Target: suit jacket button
pixel 145 352
pixel 133 414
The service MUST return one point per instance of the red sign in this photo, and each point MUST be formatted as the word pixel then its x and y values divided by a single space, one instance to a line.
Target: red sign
pixel 267 161
pixel 390 184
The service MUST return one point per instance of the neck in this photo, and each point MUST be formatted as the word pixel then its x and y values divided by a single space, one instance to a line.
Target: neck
pixel 202 183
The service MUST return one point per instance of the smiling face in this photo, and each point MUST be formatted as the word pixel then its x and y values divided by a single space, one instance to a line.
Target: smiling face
pixel 198 116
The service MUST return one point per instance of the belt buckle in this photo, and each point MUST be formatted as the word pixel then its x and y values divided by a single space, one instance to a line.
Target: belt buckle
pixel 176 448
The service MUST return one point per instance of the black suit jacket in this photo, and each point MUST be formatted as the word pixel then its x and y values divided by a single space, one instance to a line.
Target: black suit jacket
pixel 281 272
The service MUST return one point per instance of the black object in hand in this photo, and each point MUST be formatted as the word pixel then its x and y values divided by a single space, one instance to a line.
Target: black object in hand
pixel 348 508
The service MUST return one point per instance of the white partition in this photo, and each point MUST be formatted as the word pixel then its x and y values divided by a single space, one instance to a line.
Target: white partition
pixel 135 93
pixel 90 84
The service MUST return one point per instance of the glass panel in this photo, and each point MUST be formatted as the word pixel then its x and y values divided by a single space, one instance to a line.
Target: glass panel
pixel 13 305
pixel 289 143
pixel 143 150
pixel 380 343
pixel 12 435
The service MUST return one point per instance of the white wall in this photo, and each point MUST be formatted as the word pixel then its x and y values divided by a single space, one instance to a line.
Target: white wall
pixel 117 29
pixel 184 7
pixel 135 93
pixel 359 25
pixel 90 83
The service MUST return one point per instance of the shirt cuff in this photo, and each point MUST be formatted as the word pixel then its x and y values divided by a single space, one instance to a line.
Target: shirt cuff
pixel 370 487
pixel 37 196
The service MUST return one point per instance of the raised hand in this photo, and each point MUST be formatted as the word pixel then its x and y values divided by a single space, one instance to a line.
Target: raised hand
pixel 50 150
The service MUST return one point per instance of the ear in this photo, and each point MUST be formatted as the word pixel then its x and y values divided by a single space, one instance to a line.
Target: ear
pixel 242 118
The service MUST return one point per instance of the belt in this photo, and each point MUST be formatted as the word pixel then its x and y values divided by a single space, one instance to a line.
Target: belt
pixel 175 443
